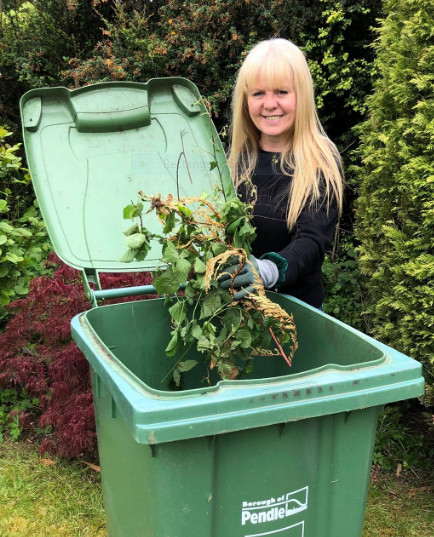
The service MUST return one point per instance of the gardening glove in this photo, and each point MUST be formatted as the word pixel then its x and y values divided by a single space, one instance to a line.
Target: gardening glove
pixel 244 280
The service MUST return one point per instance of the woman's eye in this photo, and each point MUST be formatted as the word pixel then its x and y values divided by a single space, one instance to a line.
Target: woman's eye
pixel 282 92
pixel 258 93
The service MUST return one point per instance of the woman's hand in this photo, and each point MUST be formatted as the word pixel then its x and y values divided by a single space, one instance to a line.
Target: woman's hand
pixel 243 277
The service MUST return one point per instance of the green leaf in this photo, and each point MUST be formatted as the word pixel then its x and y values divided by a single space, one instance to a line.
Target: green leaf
pixel 218 248
pixel 136 240
pixel 246 229
pixel 170 223
pixel 196 331
pixel 232 319
pixel 132 211
pixel 133 229
pixel 177 377
pixel 199 266
pixel 173 345
pixel 198 284
pixel 186 366
pixel 21 290
pixel 231 228
pixel 128 256
pixel 210 304
pixel 168 282
pixel 13 258
pixel 235 343
pixel 6 227
pixel 142 253
pixel 22 232
pixel 190 293
pixel 182 269
pixel 222 336
pixel 245 337
pixel 170 253
pixel 177 311
pixel 203 344
pixel 185 211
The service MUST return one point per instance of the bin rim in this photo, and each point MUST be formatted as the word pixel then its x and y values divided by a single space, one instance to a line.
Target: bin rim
pixel 79 324
pixel 153 417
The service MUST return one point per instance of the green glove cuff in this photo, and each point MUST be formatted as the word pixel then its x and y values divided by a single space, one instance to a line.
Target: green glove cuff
pixel 282 265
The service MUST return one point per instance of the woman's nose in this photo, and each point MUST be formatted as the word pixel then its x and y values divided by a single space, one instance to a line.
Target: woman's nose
pixel 270 100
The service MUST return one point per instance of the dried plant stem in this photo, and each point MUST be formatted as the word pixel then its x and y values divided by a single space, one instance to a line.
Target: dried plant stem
pixel 279 346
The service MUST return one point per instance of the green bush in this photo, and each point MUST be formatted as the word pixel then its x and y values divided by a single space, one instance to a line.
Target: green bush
pixel 206 41
pixel 395 209
pixel 341 62
pixel 342 285
pixel 37 40
pixel 404 437
pixel 14 404
pixel 23 240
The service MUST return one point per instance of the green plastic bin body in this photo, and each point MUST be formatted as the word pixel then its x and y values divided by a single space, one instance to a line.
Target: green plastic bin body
pixel 282 452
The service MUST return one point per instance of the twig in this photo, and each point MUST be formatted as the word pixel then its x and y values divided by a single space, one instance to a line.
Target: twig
pixel 183 133
pixel 279 346
pixel 178 361
pixel 177 174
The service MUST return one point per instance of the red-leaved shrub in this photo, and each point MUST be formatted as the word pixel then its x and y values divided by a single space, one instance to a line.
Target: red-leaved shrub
pixel 38 354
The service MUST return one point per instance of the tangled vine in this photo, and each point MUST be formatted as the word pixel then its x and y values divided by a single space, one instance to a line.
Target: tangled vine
pixel 201 237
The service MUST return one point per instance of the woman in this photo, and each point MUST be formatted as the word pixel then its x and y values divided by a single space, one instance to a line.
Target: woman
pixel 279 146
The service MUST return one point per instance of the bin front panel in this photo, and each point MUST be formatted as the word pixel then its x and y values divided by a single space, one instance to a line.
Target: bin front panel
pixel 306 478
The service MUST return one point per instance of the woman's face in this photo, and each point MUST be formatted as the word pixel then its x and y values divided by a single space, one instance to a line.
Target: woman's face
pixel 272 110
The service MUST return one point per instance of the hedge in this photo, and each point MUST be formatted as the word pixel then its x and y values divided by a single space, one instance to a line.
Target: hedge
pixel 395 209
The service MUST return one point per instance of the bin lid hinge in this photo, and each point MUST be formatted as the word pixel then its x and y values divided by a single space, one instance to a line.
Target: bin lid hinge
pixel 90 276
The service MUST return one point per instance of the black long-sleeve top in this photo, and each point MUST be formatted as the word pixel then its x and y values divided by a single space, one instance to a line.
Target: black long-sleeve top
pixel 304 246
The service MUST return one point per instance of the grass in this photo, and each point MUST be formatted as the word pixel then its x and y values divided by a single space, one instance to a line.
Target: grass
pixel 45 498
pixel 400 506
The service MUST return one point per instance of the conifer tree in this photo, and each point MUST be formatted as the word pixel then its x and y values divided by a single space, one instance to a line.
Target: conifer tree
pixel 395 212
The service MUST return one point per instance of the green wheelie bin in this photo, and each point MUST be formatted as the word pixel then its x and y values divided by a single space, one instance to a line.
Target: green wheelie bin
pixel 282 452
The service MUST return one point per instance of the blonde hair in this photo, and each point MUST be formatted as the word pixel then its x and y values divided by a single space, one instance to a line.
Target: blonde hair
pixel 309 152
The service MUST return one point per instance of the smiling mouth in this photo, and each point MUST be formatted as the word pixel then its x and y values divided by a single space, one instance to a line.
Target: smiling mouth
pixel 272 117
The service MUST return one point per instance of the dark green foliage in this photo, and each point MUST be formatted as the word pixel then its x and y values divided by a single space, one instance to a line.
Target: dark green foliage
pixel 336 45
pixel 342 285
pixel 404 437
pixel 15 406
pixel 206 42
pixel 37 41
pixel 23 240
pixel 395 212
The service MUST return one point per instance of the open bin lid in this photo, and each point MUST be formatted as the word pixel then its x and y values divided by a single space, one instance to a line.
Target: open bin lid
pixel 92 149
